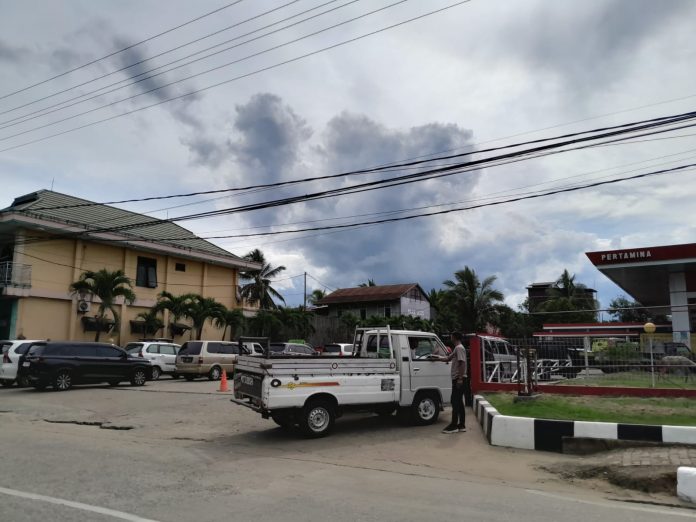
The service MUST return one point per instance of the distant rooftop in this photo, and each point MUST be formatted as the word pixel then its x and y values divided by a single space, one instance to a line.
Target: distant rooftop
pixel 364 294
pixel 92 217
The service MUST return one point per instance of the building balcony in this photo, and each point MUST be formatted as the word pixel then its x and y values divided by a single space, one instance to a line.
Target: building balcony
pixel 16 275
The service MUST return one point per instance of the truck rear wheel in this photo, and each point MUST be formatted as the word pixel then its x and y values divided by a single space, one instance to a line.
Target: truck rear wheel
pixel 425 409
pixel 317 419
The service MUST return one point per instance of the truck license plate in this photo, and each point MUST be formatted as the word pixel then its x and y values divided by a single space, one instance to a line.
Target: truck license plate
pixel 248 383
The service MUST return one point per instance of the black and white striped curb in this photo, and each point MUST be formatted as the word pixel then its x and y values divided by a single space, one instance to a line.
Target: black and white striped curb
pixel 547 435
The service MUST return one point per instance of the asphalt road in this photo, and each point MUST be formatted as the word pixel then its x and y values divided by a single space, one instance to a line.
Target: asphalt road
pixel 180 451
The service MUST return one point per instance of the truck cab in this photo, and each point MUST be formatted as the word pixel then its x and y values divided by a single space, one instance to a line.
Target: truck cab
pixel 389 371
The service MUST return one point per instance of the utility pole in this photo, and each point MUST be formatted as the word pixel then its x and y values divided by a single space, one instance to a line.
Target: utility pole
pixel 305 290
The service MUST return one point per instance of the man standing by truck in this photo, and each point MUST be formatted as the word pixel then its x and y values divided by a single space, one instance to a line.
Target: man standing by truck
pixel 459 375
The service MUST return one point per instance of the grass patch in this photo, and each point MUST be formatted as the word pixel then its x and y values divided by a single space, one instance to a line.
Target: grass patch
pixel 631 380
pixel 633 410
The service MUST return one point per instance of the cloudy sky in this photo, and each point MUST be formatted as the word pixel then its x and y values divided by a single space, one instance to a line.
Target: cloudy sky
pixel 484 72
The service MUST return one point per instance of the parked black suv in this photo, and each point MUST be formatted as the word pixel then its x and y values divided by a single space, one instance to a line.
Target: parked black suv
pixel 62 364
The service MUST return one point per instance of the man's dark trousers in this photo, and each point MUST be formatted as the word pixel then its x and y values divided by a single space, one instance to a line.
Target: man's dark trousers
pixel 458 404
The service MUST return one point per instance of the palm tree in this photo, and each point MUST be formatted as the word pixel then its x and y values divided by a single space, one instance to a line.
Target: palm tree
pixel 233 319
pixel 474 300
pixel 152 323
pixel 566 295
pixel 175 304
pixel 316 296
pixel 265 324
pixel 107 286
pixel 259 289
pixel 370 282
pixel 200 309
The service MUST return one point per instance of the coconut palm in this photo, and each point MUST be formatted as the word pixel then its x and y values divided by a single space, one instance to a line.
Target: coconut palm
pixel 152 323
pixel 474 300
pixel 232 319
pixel 108 287
pixel 175 304
pixel 201 309
pixel 316 296
pixel 258 290
pixel 566 296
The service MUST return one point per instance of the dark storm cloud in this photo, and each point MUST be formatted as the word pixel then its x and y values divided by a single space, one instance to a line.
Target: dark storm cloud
pixel 268 136
pixel 586 43
pixel 13 54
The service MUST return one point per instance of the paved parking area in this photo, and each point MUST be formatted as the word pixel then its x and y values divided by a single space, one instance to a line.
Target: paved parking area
pixel 177 450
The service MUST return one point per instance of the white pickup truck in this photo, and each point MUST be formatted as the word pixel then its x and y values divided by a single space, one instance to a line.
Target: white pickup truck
pixel 390 370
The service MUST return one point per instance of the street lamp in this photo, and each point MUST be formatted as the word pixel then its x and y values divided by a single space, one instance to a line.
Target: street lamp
pixel 649 328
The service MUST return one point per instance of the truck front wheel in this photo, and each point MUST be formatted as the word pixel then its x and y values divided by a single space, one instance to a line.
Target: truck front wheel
pixel 317 419
pixel 425 409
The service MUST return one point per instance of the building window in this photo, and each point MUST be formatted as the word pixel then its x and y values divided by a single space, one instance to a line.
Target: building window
pixel 387 311
pixel 180 267
pixel 363 314
pixel 146 274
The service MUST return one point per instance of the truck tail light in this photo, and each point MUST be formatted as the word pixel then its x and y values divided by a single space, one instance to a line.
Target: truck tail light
pixel 6 358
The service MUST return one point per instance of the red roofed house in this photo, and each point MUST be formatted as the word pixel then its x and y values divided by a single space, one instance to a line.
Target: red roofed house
pixel 382 301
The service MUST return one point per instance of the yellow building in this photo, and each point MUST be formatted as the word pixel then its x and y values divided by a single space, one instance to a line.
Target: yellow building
pixel 48 239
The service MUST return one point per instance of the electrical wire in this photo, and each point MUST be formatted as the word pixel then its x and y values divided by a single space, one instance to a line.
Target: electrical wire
pixel 191 76
pixel 34 115
pixel 247 75
pixel 122 50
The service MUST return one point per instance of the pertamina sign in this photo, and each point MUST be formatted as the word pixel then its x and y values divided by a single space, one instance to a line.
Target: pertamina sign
pixel 671 253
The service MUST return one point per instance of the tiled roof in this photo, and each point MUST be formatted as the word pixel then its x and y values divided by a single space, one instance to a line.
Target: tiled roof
pixel 70 210
pixel 368 293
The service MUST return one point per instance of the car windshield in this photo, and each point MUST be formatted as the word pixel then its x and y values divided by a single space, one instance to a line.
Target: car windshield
pixel 133 347
pixel 191 348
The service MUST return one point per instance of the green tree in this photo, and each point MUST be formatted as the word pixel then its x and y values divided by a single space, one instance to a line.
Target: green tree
pixel 258 289
pixel 176 305
pixel 474 300
pixel 316 296
pixel 108 287
pixel 370 282
pixel 153 323
pixel 265 324
pixel 568 302
pixel 201 309
pixel 233 319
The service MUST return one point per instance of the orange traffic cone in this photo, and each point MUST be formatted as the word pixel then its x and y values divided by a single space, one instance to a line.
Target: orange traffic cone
pixel 223 382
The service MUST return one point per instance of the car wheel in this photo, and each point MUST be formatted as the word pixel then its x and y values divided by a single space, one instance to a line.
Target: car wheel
pixel 215 373
pixel 156 372
pixel 7 383
pixel 189 377
pixel 139 377
pixel 23 381
pixel 114 383
pixel 63 381
pixel 317 419
pixel 425 409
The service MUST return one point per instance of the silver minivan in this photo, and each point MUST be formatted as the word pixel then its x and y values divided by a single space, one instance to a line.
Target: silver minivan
pixel 161 355
pixel 206 359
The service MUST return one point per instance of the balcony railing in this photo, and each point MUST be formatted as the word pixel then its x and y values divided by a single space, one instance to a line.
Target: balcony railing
pixel 15 274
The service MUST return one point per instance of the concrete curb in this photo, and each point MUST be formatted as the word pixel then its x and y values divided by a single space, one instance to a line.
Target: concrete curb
pixel 686 484
pixel 548 435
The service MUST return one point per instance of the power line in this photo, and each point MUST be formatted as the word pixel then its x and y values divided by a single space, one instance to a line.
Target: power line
pixel 121 50
pixel 207 71
pixel 33 115
pixel 629 127
pixel 441 212
pixel 351 190
pixel 224 82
